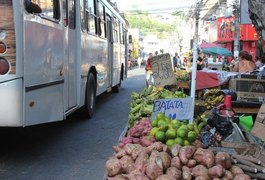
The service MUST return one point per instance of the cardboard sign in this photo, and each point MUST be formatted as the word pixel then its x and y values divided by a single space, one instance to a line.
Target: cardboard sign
pixel 177 108
pixel 162 70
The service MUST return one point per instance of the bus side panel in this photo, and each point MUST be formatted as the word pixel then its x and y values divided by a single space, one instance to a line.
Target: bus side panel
pixel 11 103
pixel 44 70
pixel 43 105
pixel 116 64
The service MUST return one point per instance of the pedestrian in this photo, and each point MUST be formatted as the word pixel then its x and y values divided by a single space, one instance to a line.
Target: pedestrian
pixel 148 70
pixel 175 61
pixel 139 62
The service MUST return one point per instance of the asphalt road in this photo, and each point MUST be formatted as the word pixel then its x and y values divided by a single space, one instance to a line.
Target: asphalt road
pixel 76 148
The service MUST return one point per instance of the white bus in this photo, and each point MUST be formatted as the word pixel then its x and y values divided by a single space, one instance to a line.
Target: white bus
pixel 59 60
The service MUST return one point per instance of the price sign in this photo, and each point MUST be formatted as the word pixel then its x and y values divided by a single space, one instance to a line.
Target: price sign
pixel 162 70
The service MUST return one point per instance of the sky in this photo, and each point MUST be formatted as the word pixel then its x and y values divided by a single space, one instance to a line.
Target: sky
pixel 154 5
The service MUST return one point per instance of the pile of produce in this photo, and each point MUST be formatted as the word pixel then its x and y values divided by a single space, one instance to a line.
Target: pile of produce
pixel 173 131
pixel 158 161
pixel 212 98
pixel 142 103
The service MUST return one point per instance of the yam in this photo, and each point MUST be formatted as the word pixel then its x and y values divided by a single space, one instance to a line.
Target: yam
pixel 166 159
pixel 154 166
pixel 200 170
pixel 186 173
pixel 175 162
pixel 185 153
pixel 216 171
pixel 174 172
pixel 223 159
pixel 242 177
pixel 175 150
pixel 235 170
pixel 204 157
pixel 113 167
pixel 126 163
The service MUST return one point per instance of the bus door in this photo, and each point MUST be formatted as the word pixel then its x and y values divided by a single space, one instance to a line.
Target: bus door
pixel 110 49
pixel 70 71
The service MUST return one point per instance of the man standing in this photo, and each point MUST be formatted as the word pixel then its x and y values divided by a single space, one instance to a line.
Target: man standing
pixel 175 61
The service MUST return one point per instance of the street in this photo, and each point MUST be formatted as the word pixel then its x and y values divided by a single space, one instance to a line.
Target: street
pixel 73 149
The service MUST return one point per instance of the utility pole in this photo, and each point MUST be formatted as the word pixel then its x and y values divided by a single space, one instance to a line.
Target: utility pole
pixel 195 54
pixel 236 37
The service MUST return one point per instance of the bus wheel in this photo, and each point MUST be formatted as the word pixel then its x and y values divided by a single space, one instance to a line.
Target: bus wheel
pixel 90 95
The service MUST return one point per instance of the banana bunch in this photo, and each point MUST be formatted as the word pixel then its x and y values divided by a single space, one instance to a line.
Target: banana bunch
pixel 213 97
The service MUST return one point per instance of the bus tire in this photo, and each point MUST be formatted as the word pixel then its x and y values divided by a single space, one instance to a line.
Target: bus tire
pixel 90 96
pixel 117 87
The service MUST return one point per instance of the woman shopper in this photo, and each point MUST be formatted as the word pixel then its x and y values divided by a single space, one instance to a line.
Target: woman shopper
pixel 244 64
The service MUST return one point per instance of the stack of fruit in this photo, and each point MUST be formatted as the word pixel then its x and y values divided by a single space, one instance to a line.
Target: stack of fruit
pixel 173 131
pixel 212 98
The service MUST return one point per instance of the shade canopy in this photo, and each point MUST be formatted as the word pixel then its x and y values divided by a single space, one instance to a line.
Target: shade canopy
pixel 217 51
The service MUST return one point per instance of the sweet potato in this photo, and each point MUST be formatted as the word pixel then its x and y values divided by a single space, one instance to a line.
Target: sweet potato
pixel 130 147
pixel 136 176
pixel 113 167
pixel 198 144
pixel 175 150
pixel 147 141
pixel 204 157
pixel 116 149
pixel 223 159
pixel 120 154
pixel 141 161
pixel 175 162
pixel 166 159
pixel 191 163
pixel 228 175
pixel 156 146
pixel 216 171
pixel 117 177
pixel 200 170
pixel 185 153
pixel 137 151
pixel 242 177
pixel 235 170
pixel 200 178
pixel 126 163
pixel 154 166
pixel 186 173
pixel 174 172
pixel 165 177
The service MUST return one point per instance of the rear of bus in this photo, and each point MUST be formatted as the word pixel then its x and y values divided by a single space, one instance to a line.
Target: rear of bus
pixel 11 83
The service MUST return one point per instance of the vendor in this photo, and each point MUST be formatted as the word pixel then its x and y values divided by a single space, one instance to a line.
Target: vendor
pixel 245 63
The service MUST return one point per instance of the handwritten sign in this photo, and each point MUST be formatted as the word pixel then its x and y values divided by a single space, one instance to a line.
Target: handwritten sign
pixel 162 70
pixel 177 108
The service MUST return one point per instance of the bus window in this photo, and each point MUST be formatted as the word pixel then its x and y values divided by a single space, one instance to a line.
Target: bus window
pixel 65 13
pixel 83 15
pixel 102 21
pixel 115 30
pixel 71 7
pixel 91 16
pixel 50 8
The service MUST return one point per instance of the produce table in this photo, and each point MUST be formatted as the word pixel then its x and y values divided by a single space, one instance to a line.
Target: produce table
pixel 210 79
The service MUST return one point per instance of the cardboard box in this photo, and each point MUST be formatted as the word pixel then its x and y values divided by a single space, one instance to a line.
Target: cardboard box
pixel 248 88
pixel 259 126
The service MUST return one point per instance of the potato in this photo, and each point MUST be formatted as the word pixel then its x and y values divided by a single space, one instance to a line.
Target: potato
pixel 204 157
pixel 141 161
pixel 126 163
pixel 117 177
pixel 136 176
pixel 156 146
pixel 228 175
pixel 242 177
pixel 200 178
pixel 175 150
pixel 147 141
pixel 216 171
pixel 223 159
pixel 175 162
pixel 191 163
pixel 174 172
pixel 200 170
pixel 113 167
